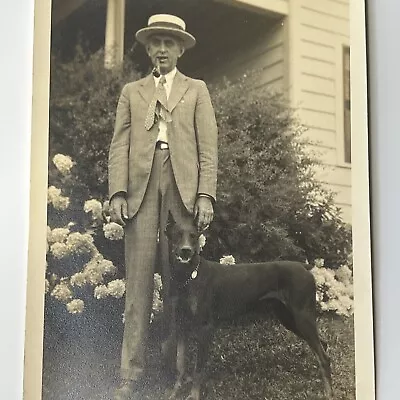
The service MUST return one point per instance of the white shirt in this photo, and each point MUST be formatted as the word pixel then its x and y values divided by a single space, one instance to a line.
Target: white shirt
pixel 162 125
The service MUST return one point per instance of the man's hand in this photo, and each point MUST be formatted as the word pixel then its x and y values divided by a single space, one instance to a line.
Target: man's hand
pixel 118 209
pixel 203 210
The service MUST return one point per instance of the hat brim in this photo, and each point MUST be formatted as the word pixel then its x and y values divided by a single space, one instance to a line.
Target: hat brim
pixel 143 35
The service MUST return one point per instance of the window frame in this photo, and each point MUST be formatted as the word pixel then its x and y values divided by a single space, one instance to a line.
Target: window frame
pixel 341 47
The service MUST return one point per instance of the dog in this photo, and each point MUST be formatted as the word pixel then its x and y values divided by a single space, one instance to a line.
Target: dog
pixel 206 292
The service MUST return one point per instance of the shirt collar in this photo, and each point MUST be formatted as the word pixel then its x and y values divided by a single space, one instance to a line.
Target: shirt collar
pixel 169 77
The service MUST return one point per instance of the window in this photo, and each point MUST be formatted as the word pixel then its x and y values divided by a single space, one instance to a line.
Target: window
pixel 346 104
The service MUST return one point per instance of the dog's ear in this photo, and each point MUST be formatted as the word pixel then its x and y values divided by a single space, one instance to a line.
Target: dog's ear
pixel 169 225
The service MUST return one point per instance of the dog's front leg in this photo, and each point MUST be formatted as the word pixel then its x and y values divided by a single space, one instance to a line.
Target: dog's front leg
pixel 203 346
pixel 180 365
pixel 169 346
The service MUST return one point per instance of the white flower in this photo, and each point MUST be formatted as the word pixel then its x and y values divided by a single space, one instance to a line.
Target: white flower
pixel 338 294
pixel 116 288
pixel 59 250
pixel 62 292
pixel 100 292
pixel 55 198
pixel 324 306
pixel 107 267
pixel 58 235
pixel 227 260
pixel 95 207
pixel 93 273
pixel 319 276
pixel 157 281
pixel 96 268
pixel 62 203
pixel 76 306
pixel 157 302
pixel 46 286
pixel 333 304
pixel 78 279
pixel 347 305
pixel 113 231
pixel 63 163
pixel 319 262
pixel 202 241
pixel 52 193
pixel 81 243
pixel 344 274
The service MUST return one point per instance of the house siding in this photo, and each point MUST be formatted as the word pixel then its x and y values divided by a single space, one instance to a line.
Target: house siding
pixel 301 53
pixel 319 29
pixel 261 49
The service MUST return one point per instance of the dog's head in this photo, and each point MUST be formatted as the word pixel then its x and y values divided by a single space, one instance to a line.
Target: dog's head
pixel 183 239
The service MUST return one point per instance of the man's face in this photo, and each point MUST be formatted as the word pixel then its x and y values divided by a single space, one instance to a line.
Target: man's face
pixel 164 50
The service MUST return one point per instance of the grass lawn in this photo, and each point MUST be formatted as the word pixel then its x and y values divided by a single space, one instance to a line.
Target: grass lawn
pixel 250 359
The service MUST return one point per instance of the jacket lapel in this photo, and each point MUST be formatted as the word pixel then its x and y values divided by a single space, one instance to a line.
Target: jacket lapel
pixel 147 88
pixel 179 87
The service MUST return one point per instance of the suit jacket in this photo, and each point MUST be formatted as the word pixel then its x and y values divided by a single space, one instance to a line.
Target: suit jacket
pixel 192 138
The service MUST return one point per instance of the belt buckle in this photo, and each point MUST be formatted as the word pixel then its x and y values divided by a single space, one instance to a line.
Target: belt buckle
pixel 163 145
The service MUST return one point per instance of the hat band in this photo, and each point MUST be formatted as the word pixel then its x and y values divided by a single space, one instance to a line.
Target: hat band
pixel 165 25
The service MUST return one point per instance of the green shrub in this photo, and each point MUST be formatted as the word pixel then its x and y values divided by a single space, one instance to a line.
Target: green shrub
pixel 270 205
pixel 83 100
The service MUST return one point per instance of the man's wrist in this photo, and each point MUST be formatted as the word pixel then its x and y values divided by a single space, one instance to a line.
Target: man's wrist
pixel 118 194
pixel 205 195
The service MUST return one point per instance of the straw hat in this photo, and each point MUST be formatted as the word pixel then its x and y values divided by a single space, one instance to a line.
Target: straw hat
pixel 165 23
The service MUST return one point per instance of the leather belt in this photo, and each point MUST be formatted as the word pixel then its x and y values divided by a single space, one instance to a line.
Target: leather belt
pixel 162 145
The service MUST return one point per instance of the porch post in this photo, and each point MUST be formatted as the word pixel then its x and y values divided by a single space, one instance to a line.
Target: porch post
pixel 115 28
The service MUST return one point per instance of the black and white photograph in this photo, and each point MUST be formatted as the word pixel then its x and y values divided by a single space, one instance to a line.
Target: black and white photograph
pixel 200 218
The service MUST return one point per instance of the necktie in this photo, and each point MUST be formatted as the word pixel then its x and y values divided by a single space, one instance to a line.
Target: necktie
pixel 158 106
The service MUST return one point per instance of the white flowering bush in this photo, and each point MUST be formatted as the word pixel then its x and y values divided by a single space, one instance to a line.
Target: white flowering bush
pixel 95 207
pixel 63 163
pixel 334 288
pixel 74 264
pixel 95 269
pixel 227 260
pixel 56 199
pixel 76 306
pixel 113 231
pixel 74 243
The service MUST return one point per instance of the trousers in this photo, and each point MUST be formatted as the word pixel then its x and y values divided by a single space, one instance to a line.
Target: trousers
pixel 146 244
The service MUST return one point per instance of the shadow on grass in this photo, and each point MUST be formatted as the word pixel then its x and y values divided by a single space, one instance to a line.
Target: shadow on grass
pixel 252 358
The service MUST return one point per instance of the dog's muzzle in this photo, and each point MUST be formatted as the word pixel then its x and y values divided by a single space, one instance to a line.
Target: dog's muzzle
pixel 185 255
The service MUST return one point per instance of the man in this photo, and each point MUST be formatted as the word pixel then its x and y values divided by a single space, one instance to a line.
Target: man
pixel 163 157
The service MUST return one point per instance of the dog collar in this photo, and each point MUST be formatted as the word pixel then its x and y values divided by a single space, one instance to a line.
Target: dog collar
pixel 194 274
